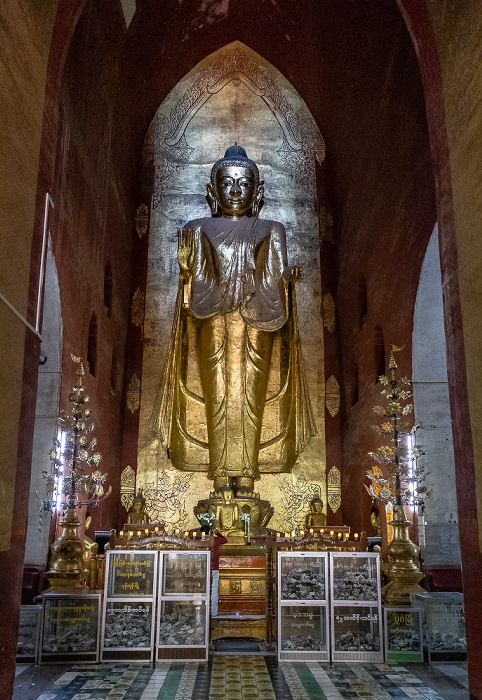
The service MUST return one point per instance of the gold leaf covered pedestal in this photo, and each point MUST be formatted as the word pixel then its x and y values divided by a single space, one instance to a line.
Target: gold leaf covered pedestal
pixel 67 571
pixel 403 568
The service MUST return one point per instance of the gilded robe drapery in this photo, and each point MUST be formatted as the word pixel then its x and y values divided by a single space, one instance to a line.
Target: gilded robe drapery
pixel 235 328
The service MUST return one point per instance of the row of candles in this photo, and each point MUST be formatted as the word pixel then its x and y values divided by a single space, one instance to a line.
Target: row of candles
pixel 160 530
pixel 343 536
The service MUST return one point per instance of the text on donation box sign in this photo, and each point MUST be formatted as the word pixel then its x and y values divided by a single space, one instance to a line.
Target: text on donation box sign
pixel 70 625
pixel 302 629
pixel 131 575
pixel 128 625
pixel 28 630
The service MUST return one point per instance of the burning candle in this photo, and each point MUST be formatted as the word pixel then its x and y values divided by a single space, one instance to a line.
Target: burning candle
pixel 339 535
pixel 332 532
pixel 287 534
pixel 156 529
pixel 138 533
pixel 146 531
pixel 356 535
pixel 186 534
pixel 302 532
pixel 311 530
pixel 121 533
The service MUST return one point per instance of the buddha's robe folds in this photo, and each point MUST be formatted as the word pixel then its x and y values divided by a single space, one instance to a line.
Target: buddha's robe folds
pixel 235 328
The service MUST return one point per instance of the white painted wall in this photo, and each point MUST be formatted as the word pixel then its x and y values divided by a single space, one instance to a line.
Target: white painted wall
pixel 432 411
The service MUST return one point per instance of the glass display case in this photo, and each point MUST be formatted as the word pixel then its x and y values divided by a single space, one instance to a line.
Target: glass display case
pixel 183 605
pixel 403 634
pixel 302 606
pixel 131 574
pixel 355 577
pixel 355 606
pixel 356 633
pixel 184 573
pixel 28 633
pixel 70 627
pixel 445 624
pixel 129 605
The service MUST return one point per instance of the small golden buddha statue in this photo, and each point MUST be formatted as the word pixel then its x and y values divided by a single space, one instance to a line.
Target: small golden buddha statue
pixel 227 515
pixel 138 513
pixel 315 517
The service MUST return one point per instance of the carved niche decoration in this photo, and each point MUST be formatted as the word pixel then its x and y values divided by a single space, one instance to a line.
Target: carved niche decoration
pixel 166 142
pixel 128 484
pixel 334 489
pixel 332 396
pixel 329 312
pixel 133 396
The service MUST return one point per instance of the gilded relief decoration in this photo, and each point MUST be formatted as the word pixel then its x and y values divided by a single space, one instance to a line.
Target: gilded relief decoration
pixel 166 142
pixel 133 395
pixel 127 484
pixel 334 489
pixel 166 499
pixel 296 494
pixel 137 307
pixel 141 220
pixel 332 396
pixel 329 312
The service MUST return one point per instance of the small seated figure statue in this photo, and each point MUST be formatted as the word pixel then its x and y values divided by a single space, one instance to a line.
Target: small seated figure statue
pixel 315 517
pixel 137 515
pixel 227 516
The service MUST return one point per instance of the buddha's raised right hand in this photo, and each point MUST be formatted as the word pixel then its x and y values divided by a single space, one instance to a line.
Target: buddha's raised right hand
pixel 185 249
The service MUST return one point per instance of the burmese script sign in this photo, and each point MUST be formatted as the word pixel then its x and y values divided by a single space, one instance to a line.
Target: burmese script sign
pixel 70 624
pixel 128 625
pixel 302 628
pixel 403 631
pixel 131 574
pixel 28 629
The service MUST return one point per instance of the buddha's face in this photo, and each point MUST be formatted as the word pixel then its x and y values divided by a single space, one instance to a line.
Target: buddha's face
pixel 235 190
pixel 318 507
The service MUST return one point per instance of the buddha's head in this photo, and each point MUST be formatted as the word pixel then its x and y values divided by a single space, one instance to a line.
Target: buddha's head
pixel 227 493
pixel 317 505
pixel 138 503
pixel 235 189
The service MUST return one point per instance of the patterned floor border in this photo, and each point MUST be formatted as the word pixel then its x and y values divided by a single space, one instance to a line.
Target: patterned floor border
pixel 248 678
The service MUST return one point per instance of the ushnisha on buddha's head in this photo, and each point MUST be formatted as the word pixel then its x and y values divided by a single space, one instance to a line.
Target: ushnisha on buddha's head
pixel 235 190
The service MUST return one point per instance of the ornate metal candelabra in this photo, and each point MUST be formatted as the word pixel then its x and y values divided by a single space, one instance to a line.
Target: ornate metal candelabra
pixel 73 459
pixel 401 486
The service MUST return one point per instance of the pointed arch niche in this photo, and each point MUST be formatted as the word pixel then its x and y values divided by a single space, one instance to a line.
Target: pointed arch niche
pixel 233 95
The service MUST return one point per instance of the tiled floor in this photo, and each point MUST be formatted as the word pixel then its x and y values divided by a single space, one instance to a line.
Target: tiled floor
pixel 242 677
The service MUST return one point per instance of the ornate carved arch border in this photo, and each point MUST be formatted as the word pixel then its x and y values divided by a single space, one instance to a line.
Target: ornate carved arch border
pixel 166 146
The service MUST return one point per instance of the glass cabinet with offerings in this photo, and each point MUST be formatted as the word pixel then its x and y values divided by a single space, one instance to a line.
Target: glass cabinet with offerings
pixel 445 624
pixel 129 604
pixel 355 606
pixel 70 627
pixel 183 605
pixel 403 634
pixel 303 606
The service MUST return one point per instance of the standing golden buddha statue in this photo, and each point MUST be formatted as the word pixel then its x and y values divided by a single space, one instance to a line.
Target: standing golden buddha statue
pixel 236 320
